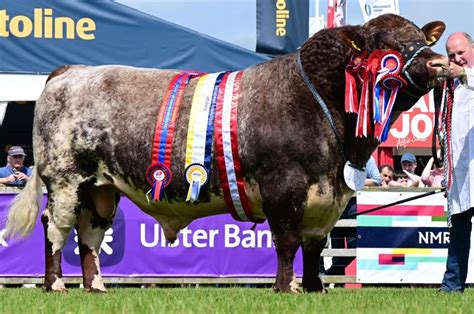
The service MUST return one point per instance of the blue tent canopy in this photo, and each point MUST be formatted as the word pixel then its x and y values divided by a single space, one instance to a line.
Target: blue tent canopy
pixel 37 36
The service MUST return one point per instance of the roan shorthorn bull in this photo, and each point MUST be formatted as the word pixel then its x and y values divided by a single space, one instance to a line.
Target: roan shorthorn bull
pixel 266 147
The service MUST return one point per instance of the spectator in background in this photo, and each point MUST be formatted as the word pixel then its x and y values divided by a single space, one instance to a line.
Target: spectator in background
pixel 386 174
pixel 15 173
pixel 432 177
pixel 408 163
pixel 373 175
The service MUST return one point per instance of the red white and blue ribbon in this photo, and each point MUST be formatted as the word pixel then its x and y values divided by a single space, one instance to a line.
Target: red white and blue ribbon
pixel 363 126
pixel 228 160
pixel 353 70
pixel 387 83
pixel 380 77
pixel 158 174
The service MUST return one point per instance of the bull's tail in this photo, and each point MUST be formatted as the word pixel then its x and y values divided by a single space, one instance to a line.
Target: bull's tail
pixel 24 208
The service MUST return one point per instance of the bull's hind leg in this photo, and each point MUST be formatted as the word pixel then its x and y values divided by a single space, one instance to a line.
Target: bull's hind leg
pixel 58 219
pixel 312 249
pixel 96 216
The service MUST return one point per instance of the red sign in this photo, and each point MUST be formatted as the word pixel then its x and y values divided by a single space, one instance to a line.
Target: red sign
pixel 413 128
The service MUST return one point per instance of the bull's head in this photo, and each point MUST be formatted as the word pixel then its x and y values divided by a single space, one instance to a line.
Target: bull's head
pixel 424 68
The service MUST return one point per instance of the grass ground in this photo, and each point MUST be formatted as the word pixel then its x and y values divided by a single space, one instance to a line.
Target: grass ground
pixel 236 300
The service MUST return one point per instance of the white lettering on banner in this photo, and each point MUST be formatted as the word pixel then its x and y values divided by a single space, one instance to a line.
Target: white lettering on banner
pixel 250 238
pixel 187 238
pixel 206 238
pixel 282 14
pixel 414 125
pixel 2 240
pixel 430 237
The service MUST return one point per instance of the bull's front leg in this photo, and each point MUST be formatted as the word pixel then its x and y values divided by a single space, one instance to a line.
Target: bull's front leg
pixel 312 249
pixel 287 238
pixel 283 205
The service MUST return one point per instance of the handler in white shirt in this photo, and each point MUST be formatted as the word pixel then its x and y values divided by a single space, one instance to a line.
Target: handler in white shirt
pixel 460 50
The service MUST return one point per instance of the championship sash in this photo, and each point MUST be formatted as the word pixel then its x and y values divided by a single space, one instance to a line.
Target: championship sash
pixel 228 161
pixel 158 174
pixel 200 131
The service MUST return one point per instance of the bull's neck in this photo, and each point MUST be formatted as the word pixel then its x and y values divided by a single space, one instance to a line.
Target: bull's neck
pixel 326 68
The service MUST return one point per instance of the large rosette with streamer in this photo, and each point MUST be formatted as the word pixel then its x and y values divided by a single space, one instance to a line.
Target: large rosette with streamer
pixel 388 82
pixel 354 70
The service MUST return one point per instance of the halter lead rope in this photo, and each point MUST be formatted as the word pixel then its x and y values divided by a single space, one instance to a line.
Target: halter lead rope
pixel 321 102
pixel 416 49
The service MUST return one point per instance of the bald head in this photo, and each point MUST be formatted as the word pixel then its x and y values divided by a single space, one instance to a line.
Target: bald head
pixel 460 49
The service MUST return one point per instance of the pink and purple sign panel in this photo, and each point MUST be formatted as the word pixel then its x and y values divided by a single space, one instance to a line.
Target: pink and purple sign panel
pixel 135 246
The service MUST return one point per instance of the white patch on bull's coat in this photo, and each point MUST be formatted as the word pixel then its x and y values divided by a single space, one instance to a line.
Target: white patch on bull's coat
pixel 98 283
pixel 322 210
pixel 61 217
pixel 55 235
pixel 58 284
pixel 62 211
pixel 294 286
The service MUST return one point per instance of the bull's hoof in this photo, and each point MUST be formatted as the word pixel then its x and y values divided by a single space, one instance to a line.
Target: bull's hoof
pixel 54 284
pixel 323 290
pixel 315 288
pixel 286 289
pixel 51 290
pixel 94 290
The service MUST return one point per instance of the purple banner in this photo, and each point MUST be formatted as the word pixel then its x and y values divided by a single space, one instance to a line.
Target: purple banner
pixel 216 246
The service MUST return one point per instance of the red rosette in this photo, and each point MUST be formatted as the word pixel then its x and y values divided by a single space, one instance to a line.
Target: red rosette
pixel 390 81
pixel 158 172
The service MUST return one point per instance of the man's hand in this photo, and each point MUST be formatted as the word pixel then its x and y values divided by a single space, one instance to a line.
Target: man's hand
pixel 10 179
pixel 21 176
pixel 455 70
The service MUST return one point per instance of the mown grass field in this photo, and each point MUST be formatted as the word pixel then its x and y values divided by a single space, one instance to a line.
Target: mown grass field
pixel 236 300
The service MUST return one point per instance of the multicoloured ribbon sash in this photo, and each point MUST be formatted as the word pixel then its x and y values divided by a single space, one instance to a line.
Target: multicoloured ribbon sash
pixel 158 174
pixel 228 160
pixel 200 132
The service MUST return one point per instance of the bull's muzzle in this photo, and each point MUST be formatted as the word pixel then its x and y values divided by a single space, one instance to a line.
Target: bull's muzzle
pixel 438 69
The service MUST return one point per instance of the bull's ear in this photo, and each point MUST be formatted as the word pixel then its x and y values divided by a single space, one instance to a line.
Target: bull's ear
pixel 433 32
pixel 352 40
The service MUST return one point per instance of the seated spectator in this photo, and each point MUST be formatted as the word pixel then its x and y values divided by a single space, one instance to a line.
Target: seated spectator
pixel 400 178
pixel 432 177
pixel 373 174
pixel 408 163
pixel 386 174
pixel 15 173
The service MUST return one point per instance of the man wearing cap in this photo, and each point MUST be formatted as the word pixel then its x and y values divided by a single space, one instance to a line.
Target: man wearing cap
pixel 408 163
pixel 15 173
